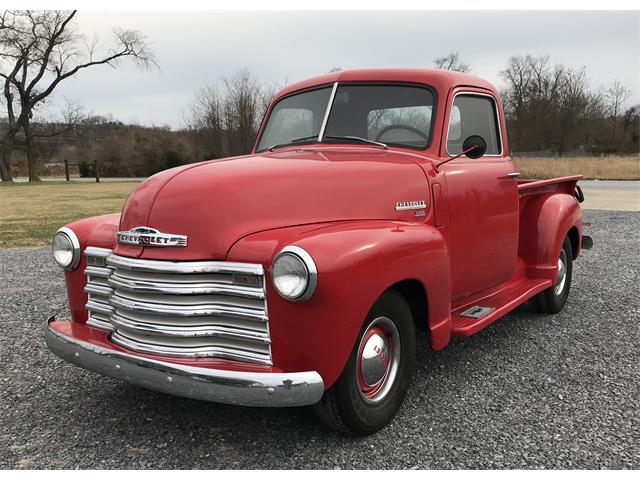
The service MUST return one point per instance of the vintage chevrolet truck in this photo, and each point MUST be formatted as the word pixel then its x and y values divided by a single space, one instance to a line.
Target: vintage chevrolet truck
pixel 374 203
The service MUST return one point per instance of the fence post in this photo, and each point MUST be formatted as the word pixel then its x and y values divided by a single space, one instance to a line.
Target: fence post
pixel 97 172
pixel 66 169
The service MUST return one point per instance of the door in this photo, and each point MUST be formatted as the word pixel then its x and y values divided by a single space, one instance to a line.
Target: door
pixel 482 198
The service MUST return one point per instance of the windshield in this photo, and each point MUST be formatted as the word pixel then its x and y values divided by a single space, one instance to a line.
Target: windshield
pixel 398 115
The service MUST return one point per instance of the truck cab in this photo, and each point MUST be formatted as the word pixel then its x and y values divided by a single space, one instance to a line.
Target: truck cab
pixel 374 203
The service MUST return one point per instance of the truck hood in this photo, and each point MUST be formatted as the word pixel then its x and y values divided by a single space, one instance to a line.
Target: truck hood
pixel 218 202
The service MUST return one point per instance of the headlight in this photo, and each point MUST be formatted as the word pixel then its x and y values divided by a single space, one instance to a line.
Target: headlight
pixel 294 274
pixel 66 248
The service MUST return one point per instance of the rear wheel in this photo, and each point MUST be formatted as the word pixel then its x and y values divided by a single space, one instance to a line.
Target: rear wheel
pixel 375 379
pixel 553 299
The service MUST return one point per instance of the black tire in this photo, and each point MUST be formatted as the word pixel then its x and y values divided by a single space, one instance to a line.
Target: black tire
pixel 344 406
pixel 553 299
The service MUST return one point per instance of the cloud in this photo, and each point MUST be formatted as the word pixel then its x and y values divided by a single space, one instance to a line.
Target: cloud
pixel 198 48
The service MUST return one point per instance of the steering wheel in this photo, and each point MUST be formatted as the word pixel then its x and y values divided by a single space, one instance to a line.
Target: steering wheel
pixel 403 127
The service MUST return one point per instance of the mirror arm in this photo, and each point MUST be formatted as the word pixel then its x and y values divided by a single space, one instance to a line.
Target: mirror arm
pixel 468 150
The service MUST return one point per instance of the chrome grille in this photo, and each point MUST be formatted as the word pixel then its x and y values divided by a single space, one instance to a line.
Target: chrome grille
pixel 185 309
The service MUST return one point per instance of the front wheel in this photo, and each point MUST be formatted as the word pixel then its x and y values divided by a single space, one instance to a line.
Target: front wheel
pixel 553 299
pixel 375 379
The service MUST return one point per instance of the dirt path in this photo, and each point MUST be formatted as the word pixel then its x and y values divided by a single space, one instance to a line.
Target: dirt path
pixel 611 195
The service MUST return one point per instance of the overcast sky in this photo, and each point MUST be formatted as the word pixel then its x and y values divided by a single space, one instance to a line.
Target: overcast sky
pixel 199 48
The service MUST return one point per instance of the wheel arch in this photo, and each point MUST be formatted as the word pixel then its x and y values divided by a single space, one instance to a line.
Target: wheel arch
pixel 415 294
pixel 574 238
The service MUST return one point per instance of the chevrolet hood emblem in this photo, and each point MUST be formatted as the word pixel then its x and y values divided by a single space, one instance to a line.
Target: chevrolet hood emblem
pixel 150 237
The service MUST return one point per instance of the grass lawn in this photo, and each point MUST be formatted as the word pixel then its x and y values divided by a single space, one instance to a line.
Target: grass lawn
pixel 607 168
pixel 31 213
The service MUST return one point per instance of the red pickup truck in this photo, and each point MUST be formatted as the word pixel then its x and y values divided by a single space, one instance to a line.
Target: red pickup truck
pixel 374 202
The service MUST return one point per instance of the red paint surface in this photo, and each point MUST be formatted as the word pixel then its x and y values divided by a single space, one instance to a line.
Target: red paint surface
pixel 485 237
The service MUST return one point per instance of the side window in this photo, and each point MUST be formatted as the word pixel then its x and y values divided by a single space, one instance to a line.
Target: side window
pixel 473 115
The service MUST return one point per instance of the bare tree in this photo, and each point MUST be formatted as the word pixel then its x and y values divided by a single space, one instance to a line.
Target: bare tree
pixel 224 118
pixel 617 96
pixel 452 62
pixel 243 109
pixel 39 50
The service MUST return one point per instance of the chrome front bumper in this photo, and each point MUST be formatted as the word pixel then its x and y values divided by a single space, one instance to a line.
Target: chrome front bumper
pixel 222 386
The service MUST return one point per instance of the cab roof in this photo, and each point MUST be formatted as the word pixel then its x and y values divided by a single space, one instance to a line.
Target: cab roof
pixel 440 80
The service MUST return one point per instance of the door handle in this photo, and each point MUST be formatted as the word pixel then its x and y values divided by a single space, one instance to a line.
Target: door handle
pixel 512 175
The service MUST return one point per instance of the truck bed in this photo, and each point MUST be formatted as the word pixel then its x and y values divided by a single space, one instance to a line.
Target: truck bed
pixel 528 187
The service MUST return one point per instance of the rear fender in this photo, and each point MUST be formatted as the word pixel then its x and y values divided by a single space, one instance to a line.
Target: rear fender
pixel 545 221
pixel 356 262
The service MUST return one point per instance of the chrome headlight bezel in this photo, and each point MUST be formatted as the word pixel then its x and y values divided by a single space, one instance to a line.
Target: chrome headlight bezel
pixel 67 235
pixel 297 254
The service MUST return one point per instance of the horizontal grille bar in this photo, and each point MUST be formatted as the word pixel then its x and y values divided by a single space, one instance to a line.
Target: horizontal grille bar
pixel 184 267
pixel 97 272
pixel 216 310
pixel 98 289
pixel 189 309
pixel 152 346
pixel 99 307
pixel 92 321
pixel 150 286
pixel 193 331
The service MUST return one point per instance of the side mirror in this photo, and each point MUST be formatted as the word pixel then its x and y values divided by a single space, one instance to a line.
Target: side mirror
pixel 473 147
pixel 474 141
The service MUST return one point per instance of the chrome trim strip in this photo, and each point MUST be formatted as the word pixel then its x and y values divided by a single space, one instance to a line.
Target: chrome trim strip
pixel 149 286
pixel 99 307
pixel 312 270
pixel 223 386
pixel 98 289
pixel 97 252
pixel 327 112
pixel 75 243
pixel 189 331
pixel 162 266
pixel 98 272
pixel 101 324
pixel 120 338
pixel 497 112
pixel 215 310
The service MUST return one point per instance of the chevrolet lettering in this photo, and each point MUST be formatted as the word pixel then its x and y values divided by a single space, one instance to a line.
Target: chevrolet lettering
pixel 150 237
pixel 414 205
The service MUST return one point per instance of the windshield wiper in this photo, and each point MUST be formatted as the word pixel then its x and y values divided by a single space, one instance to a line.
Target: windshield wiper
pixel 357 139
pixel 293 142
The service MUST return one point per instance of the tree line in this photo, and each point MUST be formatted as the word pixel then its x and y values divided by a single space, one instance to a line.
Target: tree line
pixel 549 108
pixel 554 108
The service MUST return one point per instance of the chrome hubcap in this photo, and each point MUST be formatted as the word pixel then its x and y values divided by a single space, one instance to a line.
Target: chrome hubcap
pixel 375 359
pixel 378 359
pixel 561 276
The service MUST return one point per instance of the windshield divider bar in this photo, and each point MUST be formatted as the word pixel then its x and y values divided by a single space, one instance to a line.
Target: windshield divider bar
pixel 327 112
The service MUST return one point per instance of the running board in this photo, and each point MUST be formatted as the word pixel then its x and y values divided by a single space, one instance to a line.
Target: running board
pixel 471 318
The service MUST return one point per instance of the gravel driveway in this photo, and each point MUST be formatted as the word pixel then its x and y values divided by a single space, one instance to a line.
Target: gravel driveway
pixel 528 392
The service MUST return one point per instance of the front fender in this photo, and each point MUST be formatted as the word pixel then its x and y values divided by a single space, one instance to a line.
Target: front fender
pixel 96 232
pixel 357 261
pixel 545 221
